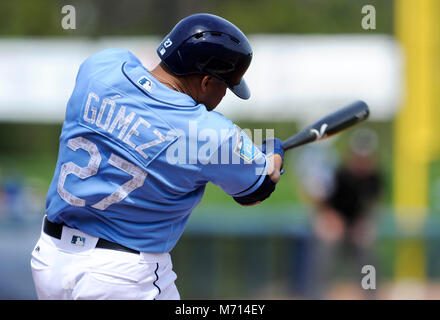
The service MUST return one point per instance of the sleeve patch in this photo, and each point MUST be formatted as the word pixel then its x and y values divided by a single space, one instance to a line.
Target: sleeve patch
pixel 245 148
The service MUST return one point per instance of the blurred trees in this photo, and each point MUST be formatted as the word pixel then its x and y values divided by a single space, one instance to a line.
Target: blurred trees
pixel 145 17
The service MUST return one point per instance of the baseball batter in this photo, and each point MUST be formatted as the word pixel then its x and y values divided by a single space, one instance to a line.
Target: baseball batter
pixel 137 149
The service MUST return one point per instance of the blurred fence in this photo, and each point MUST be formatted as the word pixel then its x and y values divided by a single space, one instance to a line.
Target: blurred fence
pixel 235 253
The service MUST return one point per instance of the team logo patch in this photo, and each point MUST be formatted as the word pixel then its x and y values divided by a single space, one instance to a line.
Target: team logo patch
pixel 146 83
pixel 245 148
pixel 78 241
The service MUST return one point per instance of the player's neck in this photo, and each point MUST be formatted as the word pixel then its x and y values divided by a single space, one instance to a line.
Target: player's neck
pixel 173 82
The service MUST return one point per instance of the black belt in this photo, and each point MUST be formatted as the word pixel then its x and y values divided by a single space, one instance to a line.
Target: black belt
pixel 55 229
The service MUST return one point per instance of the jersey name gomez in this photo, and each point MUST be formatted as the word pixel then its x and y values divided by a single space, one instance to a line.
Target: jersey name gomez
pixel 135 156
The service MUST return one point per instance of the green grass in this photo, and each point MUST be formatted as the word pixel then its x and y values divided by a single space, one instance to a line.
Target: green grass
pixel 36 170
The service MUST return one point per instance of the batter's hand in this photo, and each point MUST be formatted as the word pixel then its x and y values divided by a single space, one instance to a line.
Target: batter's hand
pixel 275 166
pixel 273 147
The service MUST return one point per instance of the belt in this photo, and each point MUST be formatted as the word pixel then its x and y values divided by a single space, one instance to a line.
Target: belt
pixel 55 229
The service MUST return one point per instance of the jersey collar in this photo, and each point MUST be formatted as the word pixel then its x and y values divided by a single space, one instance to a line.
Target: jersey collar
pixel 140 77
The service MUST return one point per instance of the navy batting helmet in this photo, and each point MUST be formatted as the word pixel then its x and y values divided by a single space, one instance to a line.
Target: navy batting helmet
pixel 208 44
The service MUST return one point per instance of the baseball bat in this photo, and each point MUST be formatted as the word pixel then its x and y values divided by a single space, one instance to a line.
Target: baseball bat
pixel 329 125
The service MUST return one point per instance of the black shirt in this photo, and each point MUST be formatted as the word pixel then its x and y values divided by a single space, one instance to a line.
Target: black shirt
pixel 354 193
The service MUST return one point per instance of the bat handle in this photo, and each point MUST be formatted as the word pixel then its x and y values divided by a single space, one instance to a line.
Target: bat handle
pixel 299 139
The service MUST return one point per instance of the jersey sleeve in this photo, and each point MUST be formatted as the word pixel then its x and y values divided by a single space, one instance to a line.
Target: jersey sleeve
pixel 238 167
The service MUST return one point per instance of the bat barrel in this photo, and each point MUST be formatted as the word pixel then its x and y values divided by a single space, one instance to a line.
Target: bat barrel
pixel 331 124
pixel 346 117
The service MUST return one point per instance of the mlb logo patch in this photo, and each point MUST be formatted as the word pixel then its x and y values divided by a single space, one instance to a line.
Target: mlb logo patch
pixel 146 83
pixel 245 148
pixel 78 241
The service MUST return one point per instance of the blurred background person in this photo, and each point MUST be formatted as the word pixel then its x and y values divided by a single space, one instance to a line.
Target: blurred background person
pixel 344 197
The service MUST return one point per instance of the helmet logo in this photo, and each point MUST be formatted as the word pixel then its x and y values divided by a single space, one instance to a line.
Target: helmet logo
pixel 167 43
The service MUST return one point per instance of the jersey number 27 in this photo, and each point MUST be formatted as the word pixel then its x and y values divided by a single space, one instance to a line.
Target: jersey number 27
pixel 138 174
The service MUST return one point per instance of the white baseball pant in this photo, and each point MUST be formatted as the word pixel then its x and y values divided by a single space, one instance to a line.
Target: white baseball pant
pixel 63 270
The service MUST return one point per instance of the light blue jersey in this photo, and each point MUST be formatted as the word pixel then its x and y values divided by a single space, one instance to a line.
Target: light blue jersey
pixel 135 156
